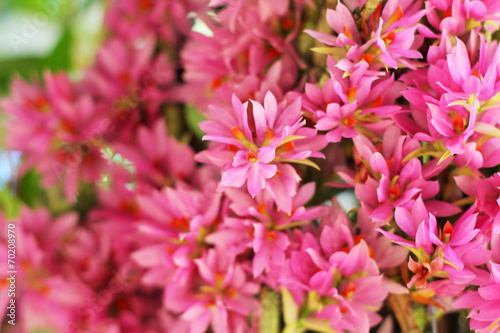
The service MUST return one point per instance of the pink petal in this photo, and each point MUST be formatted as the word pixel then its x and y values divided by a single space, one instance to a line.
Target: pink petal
pixel 259 116
pixel 355 260
pixel 271 107
pixel 452 256
pixel 326 123
pixel 260 261
pixel 379 164
pixel 458 63
pixel 422 239
pixel 236 177
pixel 266 154
pixel 405 221
pixel 490 292
pixel 463 231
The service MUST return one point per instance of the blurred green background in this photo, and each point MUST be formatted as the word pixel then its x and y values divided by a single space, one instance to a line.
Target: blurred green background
pixel 38 36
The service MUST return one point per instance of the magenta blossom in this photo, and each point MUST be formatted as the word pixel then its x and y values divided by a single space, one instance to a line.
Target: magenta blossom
pixel 252 168
pixel 451 236
pixel 485 304
pixel 225 297
pixel 253 138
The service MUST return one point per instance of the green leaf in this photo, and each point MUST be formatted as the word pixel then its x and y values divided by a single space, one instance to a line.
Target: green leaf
pixel 445 156
pixel 303 162
pixel 60 58
pixel 270 319
pixel 488 129
pixel 21 5
pixel 193 118
pixel 318 325
pixel 10 205
pixel 24 67
pixel 29 189
pixel 290 308
pixel 336 52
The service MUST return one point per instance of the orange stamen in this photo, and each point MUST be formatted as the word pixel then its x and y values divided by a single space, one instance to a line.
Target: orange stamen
pixel 389 163
pixel 394 192
pixel 289 146
pixel 246 56
pixel 398 13
pixel 273 53
pixel 233 148
pixel 390 37
pixel 145 4
pixel 458 124
pixel 271 235
pixel 368 58
pixel 287 23
pixel 350 289
pixel 376 103
pixel 377 12
pixel 238 134
pixel 358 238
pixel 261 208
pixel 231 292
pixel 447 232
pixel 269 133
pixel 217 83
pixel 124 78
pixel 349 121
pixel 351 94
pixel 347 32
pixel 180 223
pixel 251 157
pixel 447 13
pixel 40 102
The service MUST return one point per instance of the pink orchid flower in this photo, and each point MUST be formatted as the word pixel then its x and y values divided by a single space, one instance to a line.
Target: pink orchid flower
pixel 451 236
pixel 484 304
pixel 250 167
pixel 256 138
pixel 225 296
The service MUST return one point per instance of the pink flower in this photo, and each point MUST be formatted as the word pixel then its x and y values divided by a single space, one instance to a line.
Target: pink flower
pixel 423 271
pixel 389 39
pixel 136 19
pixel 269 247
pixel 241 61
pixel 262 226
pixel 158 157
pixel 348 283
pixel 458 18
pixel 253 167
pixel 451 236
pixel 254 138
pixel 338 121
pixel 480 83
pixel 173 227
pixel 127 74
pixel 484 304
pixel 414 223
pixel 455 124
pixel 55 126
pixel 225 299
pixel 395 183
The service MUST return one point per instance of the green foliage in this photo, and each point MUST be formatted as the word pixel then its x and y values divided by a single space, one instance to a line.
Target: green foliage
pixel 193 118
pixel 270 320
pixel 30 190
pixel 10 204
pixel 60 58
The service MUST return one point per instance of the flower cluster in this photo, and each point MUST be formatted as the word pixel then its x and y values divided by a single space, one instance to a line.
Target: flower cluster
pixel 234 180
